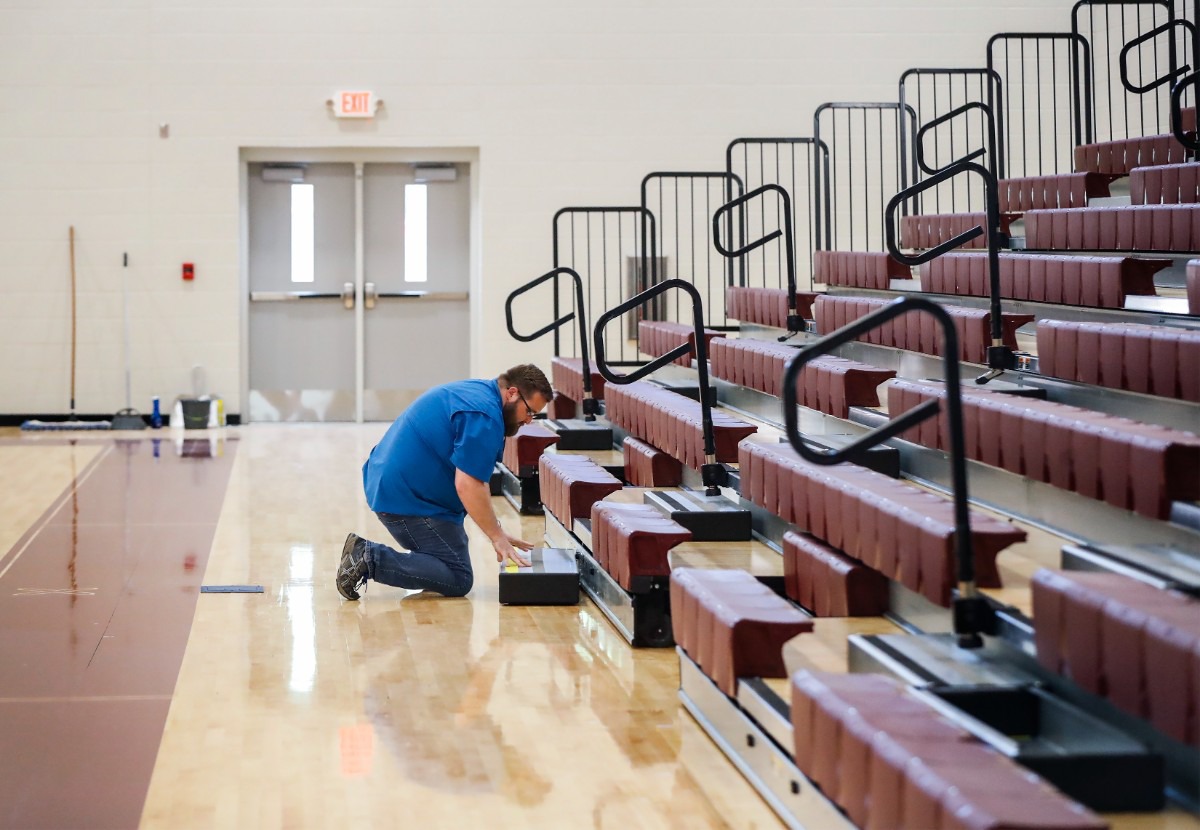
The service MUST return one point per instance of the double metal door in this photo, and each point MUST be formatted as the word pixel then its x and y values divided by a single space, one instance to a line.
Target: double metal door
pixel 359 276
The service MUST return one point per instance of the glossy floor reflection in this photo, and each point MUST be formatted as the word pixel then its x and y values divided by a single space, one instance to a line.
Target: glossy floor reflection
pixel 127 698
pixel 296 708
pixel 108 538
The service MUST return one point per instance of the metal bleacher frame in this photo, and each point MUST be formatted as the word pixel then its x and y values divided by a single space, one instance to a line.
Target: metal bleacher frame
pixel 752 728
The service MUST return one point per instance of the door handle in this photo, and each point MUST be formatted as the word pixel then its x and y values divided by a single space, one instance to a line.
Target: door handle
pixel 369 294
pixel 348 295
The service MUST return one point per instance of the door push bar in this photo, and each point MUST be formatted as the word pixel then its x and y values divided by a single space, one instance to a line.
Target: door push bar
pixel 346 295
pixel 370 295
pixel 794 324
pixel 589 404
pixel 712 474
pixel 973 615
pixel 999 356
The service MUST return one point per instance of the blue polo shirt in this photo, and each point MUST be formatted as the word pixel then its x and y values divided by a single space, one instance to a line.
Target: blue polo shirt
pixel 410 472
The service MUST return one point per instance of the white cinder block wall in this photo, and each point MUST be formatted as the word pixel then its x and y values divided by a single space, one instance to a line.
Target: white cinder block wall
pixel 566 101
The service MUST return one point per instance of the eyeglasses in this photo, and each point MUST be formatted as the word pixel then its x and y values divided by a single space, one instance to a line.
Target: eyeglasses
pixel 529 410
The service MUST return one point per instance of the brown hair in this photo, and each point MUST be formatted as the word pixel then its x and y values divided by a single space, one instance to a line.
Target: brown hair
pixel 529 379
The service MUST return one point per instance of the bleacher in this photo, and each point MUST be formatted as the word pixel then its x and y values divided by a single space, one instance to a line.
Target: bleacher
pixel 1083 432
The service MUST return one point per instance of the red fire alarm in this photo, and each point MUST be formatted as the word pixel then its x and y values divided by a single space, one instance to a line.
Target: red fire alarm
pixel 189 271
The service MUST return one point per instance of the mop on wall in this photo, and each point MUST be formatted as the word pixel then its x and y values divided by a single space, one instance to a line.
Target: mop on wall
pixel 72 422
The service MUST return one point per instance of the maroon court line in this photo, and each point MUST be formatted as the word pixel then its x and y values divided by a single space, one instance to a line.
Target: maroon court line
pixel 96 605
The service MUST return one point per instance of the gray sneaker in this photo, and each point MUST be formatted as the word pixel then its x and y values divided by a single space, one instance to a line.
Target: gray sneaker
pixel 352 570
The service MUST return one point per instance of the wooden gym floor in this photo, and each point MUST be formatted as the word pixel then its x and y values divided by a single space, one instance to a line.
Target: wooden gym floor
pixel 127 698
pixel 294 708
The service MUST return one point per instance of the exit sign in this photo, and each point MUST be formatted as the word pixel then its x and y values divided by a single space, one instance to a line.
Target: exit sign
pixel 354 104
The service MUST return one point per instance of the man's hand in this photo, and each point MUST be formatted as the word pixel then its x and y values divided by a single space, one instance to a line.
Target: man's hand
pixel 477 499
pixel 506 549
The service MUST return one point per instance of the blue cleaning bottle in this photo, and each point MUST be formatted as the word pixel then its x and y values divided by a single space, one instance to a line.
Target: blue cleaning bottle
pixel 156 415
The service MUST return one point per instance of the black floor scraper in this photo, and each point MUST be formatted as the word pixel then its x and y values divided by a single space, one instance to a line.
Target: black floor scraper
pixel 127 418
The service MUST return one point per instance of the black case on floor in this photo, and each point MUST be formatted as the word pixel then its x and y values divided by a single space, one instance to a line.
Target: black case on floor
pixel 551 579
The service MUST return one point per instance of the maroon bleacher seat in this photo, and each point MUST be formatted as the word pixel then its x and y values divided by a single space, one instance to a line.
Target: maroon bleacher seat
pixel 757 364
pixel 828 384
pixel 928 230
pixel 673 423
pixel 1102 282
pixel 566 375
pixel 766 306
pixel 1128 464
pixel 647 466
pixel 1119 157
pixel 633 540
pixel 858 269
pixel 1115 228
pixel 571 484
pixel 891 761
pixel 1026 193
pixel 1154 360
pixel 893 527
pixel 1124 640
pixel 522 451
pixel 919 332
pixel 828 583
pixel 1168 184
pixel 732 625
pixel 657 337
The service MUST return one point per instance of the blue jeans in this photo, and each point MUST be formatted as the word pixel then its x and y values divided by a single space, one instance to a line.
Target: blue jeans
pixel 435 555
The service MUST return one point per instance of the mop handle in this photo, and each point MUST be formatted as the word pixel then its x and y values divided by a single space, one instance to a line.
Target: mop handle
pixel 72 237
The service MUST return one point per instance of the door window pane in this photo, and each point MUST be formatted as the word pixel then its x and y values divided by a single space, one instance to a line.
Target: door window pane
pixel 415 233
pixel 302 233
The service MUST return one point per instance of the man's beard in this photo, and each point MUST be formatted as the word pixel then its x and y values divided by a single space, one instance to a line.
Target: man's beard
pixel 511 422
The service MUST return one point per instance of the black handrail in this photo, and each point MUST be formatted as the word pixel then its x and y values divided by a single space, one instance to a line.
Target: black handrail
pixel 712 474
pixel 794 323
pixel 589 404
pixel 1080 99
pixel 1138 41
pixel 972 613
pixel 1189 78
pixel 991 87
pixel 802 197
pixel 823 201
pixel 1102 36
pixel 990 150
pixel 1188 140
pixel 999 356
pixel 642 215
pixel 733 183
